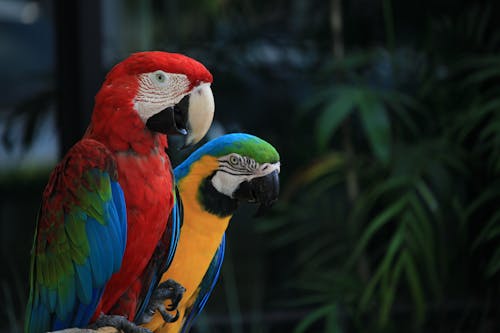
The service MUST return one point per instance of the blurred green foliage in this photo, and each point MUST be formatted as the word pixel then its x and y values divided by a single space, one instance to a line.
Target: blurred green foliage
pixel 389 216
pixel 396 220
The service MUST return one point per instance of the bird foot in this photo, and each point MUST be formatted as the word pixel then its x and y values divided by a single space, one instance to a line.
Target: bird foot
pixel 169 289
pixel 119 322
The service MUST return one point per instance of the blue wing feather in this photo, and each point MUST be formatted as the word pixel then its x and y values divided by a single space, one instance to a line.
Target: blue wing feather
pixel 84 282
pixel 121 210
pixel 177 216
pixel 65 290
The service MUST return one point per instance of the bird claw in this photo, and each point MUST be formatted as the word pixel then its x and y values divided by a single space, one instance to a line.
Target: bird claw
pixel 168 289
pixel 171 290
pixel 167 317
pixel 119 322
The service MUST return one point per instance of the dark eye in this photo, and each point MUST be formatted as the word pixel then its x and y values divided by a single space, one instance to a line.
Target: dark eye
pixel 234 160
pixel 160 77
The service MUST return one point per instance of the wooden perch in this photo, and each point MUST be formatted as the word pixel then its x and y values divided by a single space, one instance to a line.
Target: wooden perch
pixel 86 330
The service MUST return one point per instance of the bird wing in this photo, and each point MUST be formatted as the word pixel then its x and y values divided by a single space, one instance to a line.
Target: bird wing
pixel 79 240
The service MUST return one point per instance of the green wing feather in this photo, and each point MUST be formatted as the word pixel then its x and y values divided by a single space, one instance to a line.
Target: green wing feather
pixel 79 241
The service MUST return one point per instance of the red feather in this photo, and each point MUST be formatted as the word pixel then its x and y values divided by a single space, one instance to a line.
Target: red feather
pixel 67 175
pixel 144 170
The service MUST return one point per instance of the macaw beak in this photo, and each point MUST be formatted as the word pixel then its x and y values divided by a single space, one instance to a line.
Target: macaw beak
pixel 191 117
pixel 263 190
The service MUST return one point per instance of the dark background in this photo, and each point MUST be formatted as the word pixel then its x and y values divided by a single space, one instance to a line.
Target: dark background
pixel 387 118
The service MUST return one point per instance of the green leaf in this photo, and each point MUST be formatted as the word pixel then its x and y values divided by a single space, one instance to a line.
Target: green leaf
pixel 491 130
pixel 479 61
pixel 394 246
pixel 314 316
pixel 427 195
pixel 387 299
pixel 489 107
pixel 475 115
pixel 481 76
pixel 367 201
pixel 490 231
pixel 331 163
pixel 334 113
pixel 404 107
pixel 415 287
pixel 494 264
pixel 353 61
pixel 332 324
pixel 324 258
pixel 310 299
pixel 320 97
pixel 389 281
pixel 421 232
pixel 384 217
pixel 369 290
pixel 487 195
pixel 376 125
pixel 272 223
pixel 289 236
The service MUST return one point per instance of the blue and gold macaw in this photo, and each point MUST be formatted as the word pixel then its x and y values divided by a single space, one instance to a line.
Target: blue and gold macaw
pixel 211 183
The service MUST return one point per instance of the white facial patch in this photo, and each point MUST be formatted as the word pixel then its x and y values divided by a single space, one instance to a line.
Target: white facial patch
pixel 201 112
pixel 235 169
pixel 159 90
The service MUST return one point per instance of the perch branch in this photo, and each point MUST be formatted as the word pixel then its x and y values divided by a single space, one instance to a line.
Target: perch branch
pixel 86 330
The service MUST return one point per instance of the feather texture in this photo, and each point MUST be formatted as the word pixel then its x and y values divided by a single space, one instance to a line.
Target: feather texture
pixel 163 255
pixel 106 206
pixel 73 258
pixel 206 287
pixel 200 250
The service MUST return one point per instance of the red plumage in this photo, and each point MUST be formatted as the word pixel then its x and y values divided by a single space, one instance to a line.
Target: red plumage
pixel 144 170
pixel 66 178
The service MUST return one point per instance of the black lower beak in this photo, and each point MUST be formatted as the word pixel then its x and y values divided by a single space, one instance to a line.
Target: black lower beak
pixel 263 190
pixel 172 120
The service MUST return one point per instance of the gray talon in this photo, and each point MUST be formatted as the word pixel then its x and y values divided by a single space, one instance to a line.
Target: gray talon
pixel 167 317
pixel 168 289
pixel 119 322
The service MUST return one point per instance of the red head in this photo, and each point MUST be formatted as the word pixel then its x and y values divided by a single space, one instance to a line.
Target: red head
pixel 150 93
pixel 174 63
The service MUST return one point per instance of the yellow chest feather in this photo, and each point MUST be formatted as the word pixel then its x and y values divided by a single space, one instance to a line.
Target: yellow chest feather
pixel 199 239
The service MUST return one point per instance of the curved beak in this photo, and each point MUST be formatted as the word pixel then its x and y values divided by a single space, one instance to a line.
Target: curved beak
pixel 263 190
pixel 191 117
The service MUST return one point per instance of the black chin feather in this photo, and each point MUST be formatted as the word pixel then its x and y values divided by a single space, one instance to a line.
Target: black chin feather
pixel 215 202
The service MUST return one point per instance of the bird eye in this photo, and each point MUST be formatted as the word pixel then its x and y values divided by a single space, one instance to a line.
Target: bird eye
pixel 160 77
pixel 233 160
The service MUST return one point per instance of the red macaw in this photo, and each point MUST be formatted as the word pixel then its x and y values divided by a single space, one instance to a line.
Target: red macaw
pixel 108 203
